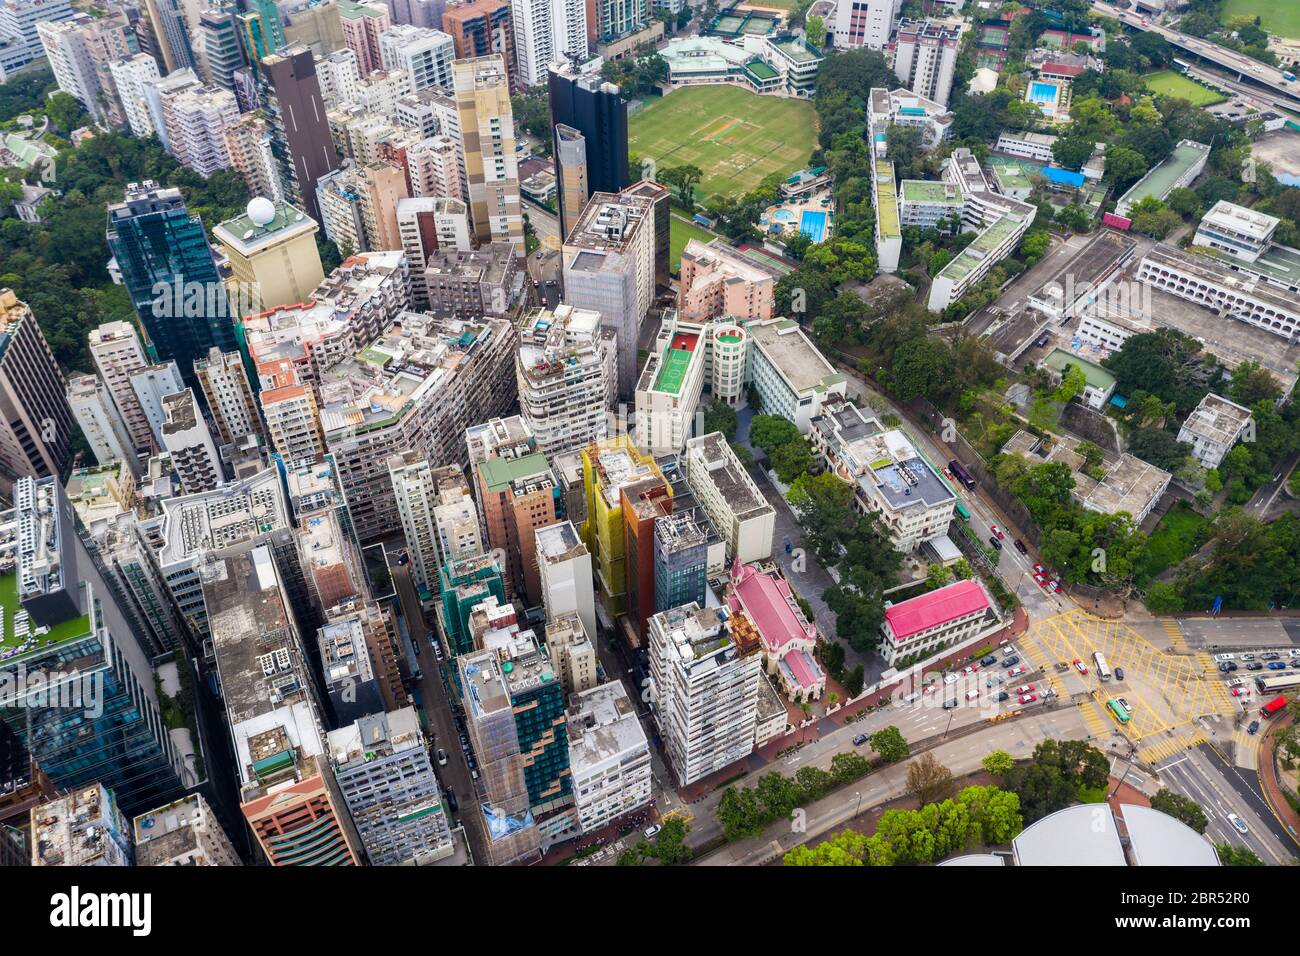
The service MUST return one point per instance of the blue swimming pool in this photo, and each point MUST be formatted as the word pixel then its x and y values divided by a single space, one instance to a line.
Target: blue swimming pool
pixel 1044 94
pixel 813 225
pixel 783 215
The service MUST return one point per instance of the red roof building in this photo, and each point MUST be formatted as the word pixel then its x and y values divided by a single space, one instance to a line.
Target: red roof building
pixel 942 617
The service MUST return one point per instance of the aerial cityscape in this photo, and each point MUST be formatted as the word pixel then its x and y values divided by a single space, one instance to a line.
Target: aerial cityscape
pixel 649 433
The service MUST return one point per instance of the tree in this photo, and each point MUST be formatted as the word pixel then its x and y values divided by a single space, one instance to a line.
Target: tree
pixel 792 460
pixel 720 417
pixel 1251 384
pixel 937 576
pixel 770 432
pixel 1073 382
pixel 1159 447
pixel 815 30
pixel 1180 808
pixel 930 781
pixel 853 681
pixel 65 112
pixel 740 814
pixel 1230 855
pixel 1184 201
pixel 998 763
pixel 1124 165
pixel 820 503
pixel 684 178
pixel 670 845
pixel 890 744
pixel 921 367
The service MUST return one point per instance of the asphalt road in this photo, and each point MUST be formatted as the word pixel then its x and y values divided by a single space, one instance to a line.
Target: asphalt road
pixel 1240 633
pixel 1219 789
pixel 437 710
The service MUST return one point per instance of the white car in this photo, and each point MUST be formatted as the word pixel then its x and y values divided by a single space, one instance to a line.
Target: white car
pixel 652 830
pixel 1225 657
pixel 1238 823
pixel 950 679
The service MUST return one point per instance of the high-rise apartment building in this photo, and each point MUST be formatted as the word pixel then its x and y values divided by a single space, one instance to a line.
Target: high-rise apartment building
pixel 680 561
pixel 863 23
pixel 609 267
pixel 197 120
pixel 18 22
pixel 925 57
pixel 564 566
pixel 706 680
pixel 151 385
pixel 572 652
pixel 455 516
pixel 567 377
pixel 547 32
pixel 288 793
pixel 186 439
pixel 416 387
pixel 481 28
pixel 131 76
pixel 80 51
pixel 517 493
pixel 383 768
pixel 363 23
pixel 592 148
pixel 219 41
pixel 184 832
pixel 717 281
pixel 117 354
pixel 82 828
pixel 158 245
pixel 302 143
pixel 433 166
pixel 425 55
pixel 100 421
pixel 487 129
pixel 170 29
pixel 609 756
pixel 425 225
pixel 228 395
pixel 414 491
pixel 35 420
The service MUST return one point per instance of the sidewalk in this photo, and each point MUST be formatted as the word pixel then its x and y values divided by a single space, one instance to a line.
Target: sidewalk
pixel 1269 781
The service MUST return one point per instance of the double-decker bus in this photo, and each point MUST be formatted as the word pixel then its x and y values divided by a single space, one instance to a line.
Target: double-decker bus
pixel 1275 685
pixel 963 512
pixel 961 474
pixel 1102 670
pixel 1272 707
pixel 1119 711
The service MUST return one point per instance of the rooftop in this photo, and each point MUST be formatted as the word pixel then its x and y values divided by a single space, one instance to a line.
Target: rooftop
pixel 786 346
pixel 886 200
pixel 248 238
pixel 727 475
pixel 498 474
pixel 930 191
pixel 984 245
pixel 1230 217
pixel 226 516
pixel 558 542
pixel 602 725
pixel 608 224
pixel 1096 376
pixel 1157 839
pixel 1217 419
pixel 1159 181
pixel 937 607
pixel 1082 835
pixel 81 828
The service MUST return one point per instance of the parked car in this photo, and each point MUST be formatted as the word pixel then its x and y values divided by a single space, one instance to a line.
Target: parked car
pixel 442 757
pixel 950 678
pixel 1025 689
pixel 970 668
pixel 997 532
pixel 1253 728
pixel 1276 666
pixel 1010 661
pixel 1254 666
pixel 988 659
pixel 652 831
pixel 1039 569
pixel 1079 666
pixel 950 704
pixel 1008 649
pixel 1003 695
pixel 1241 692
pixel 1119 673
pixel 1224 657
pixel 997 545
pixel 1020 546
pixel 1027 698
pixel 1016 672
pixel 451 800
pixel 994 680
pixel 1271 656
pixel 1056 585
pixel 1247 657
pixel 859 740
pixel 1227 667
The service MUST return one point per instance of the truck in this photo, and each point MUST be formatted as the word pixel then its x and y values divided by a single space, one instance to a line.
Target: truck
pixel 1273 706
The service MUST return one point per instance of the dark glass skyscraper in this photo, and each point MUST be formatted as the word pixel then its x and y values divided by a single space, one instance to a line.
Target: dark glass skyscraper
pixel 595 109
pixel 171 274
pixel 301 140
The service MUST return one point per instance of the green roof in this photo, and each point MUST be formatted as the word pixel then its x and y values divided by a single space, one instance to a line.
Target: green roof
pixel 1159 182
pixel 77 627
pixel 499 473
pixel 927 190
pixel 1094 374
pixel 886 200
pixel 761 70
pixel 982 246
pixel 673 370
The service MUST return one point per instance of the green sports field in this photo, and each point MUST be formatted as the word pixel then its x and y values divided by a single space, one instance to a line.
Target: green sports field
pixel 1281 17
pixel 1172 83
pixel 736 137
pixel 680 232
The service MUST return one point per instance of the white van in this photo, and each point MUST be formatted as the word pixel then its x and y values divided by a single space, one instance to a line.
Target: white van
pixel 1225 657
pixel 973 694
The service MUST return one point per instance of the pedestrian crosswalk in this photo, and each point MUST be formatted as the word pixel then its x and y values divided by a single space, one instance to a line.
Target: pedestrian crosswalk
pixel 1161 747
pixel 1095 719
pixel 1174 633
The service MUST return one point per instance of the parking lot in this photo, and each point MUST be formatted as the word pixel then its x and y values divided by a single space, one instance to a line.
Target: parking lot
pixel 1167 693
pixel 1238 670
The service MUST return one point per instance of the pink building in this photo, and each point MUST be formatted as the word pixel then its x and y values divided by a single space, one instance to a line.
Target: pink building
pixel 717 280
pixel 362 23
pixel 788 638
pixel 945 616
